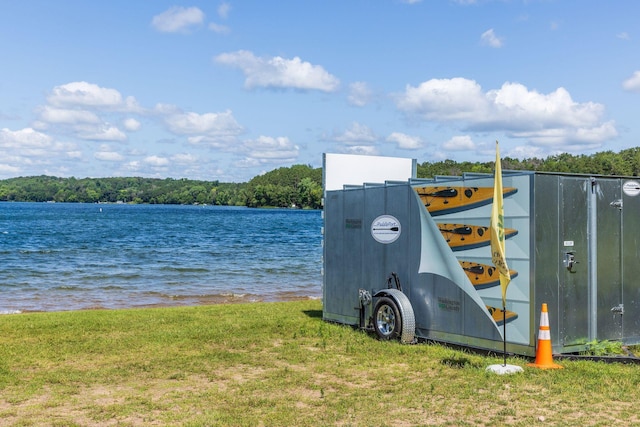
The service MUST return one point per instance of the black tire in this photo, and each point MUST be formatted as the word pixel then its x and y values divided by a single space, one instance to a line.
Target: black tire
pixel 387 320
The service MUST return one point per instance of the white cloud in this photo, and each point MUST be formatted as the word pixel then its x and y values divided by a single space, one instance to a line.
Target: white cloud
pixel 131 105
pixel 444 99
pixel 519 107
pixel 522 113
pixel 632 84
pixel 278 72
pixel 571 139
pixel 132 166
pixel 623 36
pixel 24 138
pixel 101 133
pixel 178 19
pixel 357 139
pixel 404 141
pixel 54 115
pixel 359 94
pixel 526 152
pixel 6 169
pixel 108 156
pixel 29 151
pixel 489 38
pixel 247 163
pixel 459 143
pixel 156 161
pixel 74 154
pixel 166 109
pixel 357 134
pixel 201 125
pixel 218 28
pixel 83 94
pixel 184 158
pixel 131 124
pixel 223 13
pixel 363 150
pixel 223 10
pixel 78 109
pixel 222 142
pixel 268 149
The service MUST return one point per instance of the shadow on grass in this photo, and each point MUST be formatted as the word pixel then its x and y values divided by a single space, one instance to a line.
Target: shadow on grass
pixel 456 362
pixel 314 314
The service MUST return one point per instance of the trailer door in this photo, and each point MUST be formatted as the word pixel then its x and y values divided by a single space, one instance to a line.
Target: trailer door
pixel 630 236
pixel 574 289
pixel 608 220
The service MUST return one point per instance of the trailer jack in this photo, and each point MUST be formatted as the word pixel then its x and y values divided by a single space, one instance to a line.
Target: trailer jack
pixel 365 299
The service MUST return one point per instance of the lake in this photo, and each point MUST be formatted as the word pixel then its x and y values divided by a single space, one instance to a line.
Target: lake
pixel 59 256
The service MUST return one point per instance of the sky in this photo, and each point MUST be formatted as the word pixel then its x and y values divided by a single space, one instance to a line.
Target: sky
pixel 227 90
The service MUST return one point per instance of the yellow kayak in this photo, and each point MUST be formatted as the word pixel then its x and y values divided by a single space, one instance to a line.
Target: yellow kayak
pixel 463 236
pixel 444 200
pixel 483 276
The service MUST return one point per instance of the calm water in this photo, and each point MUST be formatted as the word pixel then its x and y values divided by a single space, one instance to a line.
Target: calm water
pixel 79 256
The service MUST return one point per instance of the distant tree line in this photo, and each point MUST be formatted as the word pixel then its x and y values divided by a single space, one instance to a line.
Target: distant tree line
pixel 298 186
pixel 624 163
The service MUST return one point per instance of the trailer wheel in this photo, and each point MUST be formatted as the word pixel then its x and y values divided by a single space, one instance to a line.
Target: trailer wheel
pixel 387 320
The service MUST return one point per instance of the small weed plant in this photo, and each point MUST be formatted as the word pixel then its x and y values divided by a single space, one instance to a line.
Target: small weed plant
pixel 604 348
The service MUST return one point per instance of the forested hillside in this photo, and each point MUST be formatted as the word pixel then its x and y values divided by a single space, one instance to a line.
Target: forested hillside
pixel 297 186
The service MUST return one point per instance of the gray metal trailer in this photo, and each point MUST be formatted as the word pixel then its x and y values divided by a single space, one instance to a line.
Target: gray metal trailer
pixel 411 259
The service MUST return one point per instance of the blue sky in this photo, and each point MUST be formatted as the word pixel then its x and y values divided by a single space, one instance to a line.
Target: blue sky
pixel 232 89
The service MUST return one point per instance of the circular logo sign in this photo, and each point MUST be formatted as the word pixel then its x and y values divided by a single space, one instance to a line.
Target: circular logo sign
pixel 631 188
pixel 386 229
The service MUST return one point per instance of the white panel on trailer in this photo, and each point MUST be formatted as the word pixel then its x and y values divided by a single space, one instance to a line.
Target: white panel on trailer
pixel 349 169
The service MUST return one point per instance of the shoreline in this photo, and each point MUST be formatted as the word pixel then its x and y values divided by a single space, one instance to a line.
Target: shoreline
pixel 199 301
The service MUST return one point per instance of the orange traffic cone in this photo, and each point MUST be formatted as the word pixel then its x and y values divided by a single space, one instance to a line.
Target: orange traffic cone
pixel 544 358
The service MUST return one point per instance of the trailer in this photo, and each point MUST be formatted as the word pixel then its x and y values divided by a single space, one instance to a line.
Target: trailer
pixel 410 259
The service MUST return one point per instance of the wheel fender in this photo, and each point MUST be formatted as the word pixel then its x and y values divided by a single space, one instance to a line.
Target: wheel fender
pixel 406 312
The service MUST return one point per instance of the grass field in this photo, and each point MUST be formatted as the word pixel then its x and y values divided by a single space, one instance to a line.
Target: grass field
pixel 277 364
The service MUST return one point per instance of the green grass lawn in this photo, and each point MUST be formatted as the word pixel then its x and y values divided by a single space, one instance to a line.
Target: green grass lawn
pixel 277 364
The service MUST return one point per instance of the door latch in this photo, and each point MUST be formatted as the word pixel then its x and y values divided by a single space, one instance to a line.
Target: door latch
pixel 616 204
pixel 570 260
pixel 618 309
